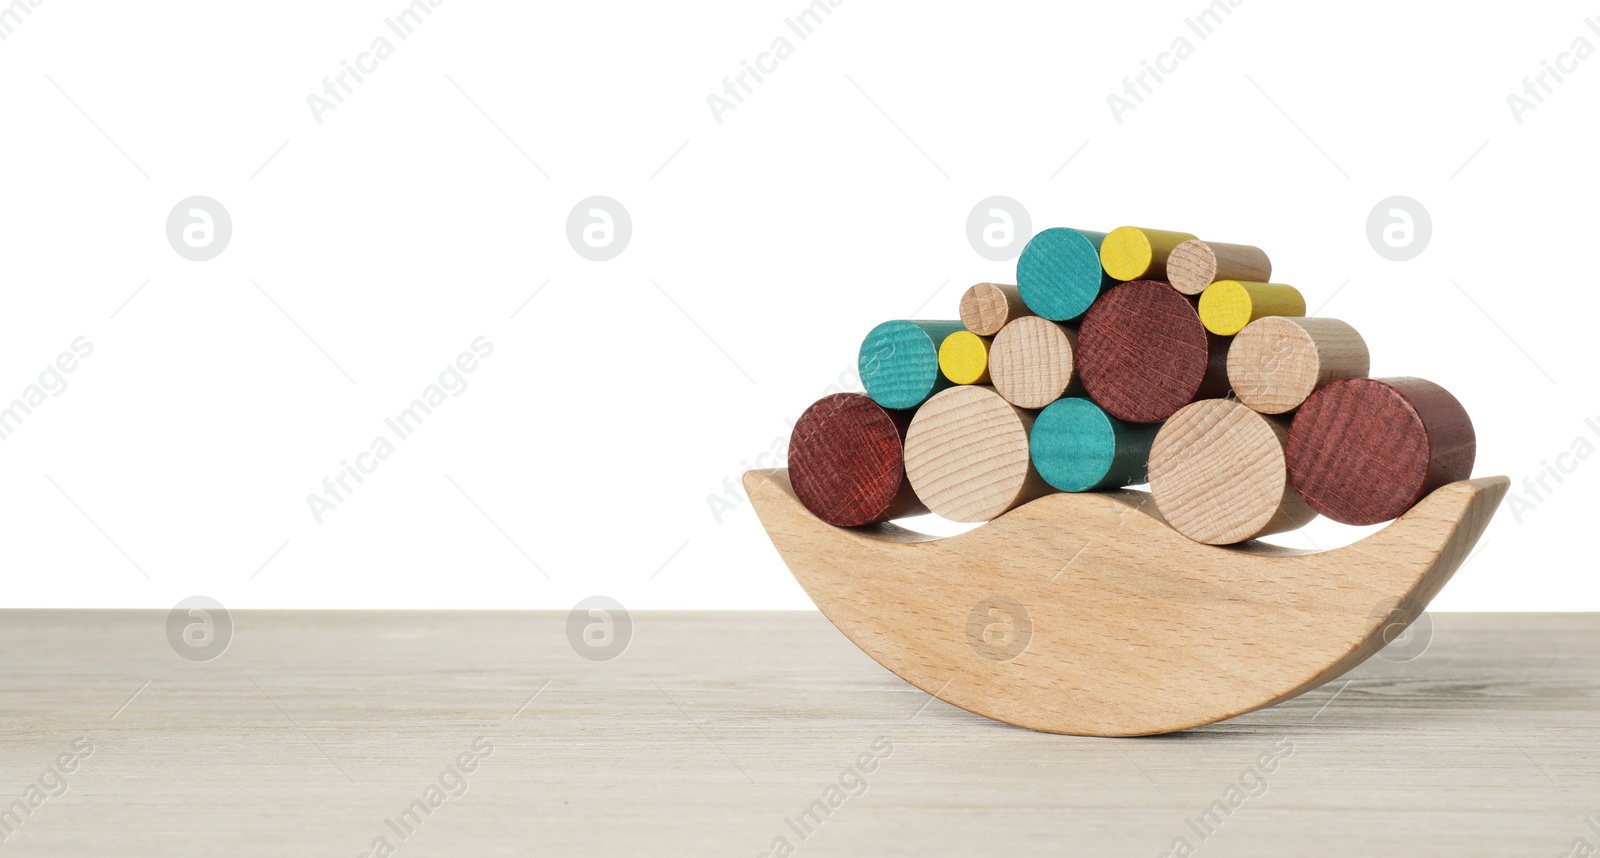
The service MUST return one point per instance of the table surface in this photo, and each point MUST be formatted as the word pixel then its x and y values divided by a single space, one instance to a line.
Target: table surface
pixel 713 732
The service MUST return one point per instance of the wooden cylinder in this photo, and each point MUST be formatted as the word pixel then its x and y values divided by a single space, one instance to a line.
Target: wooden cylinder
pixel 1278 361
pixel 899 362
pixel 1228 305
pixel 1143 353
pixel 1032 362
pixel 1365 450
pixel 847 461
pixel 964 358
pixel 1194 265
pixel 1136 253
pixel 967 455
pixel 1219 474
pixel 986 307
pixel 1078 447
pixel 1059 273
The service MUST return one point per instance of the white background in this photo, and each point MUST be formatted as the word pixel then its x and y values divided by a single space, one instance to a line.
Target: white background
pixel 411 221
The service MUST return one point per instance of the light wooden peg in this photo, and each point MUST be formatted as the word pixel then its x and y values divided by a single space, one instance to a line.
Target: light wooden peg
pixel 987 307
pixel 1194 265
pixel 967 455
pixel 1278 361
pixel 1219 474
pixel 1032 362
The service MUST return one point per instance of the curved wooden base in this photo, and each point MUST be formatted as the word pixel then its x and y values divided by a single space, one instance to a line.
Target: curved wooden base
pixel 1086 614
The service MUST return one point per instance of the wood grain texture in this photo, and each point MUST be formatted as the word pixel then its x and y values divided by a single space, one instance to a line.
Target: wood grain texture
pixel 1086 614
pixel 1143 353
pixel 1059 273
pixel 715 727
pixel 1364 450
pixel 1278 361
pixel 1219 474
pixel 964 358
pixel 1228 305
pixel 967 455
pixel 1194 265
pixel 847 461
pixel 899 361
pixel 1137 253
pixel 1078 447
pixel 1032 362
pixel 987 307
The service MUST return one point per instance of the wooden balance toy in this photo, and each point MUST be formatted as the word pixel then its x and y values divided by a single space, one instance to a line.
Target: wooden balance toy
pixel 1083 606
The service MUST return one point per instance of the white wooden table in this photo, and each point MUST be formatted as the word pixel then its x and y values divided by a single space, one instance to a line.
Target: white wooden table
pixel 714 730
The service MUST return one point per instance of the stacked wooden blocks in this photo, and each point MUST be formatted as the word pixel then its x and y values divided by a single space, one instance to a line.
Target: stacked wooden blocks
pixel 1120 358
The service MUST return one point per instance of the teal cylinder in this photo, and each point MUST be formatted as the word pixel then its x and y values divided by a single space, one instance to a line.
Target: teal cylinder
pixel 899 361
pixel 1077 447
pixel 1059 273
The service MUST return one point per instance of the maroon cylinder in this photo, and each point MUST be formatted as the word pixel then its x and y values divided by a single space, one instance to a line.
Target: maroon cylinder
pixel 1365 450
pixel 1143 353
pixel 847 461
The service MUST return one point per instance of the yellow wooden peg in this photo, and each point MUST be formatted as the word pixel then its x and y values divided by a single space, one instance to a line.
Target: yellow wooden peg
pixel 1134 253
pixel 1228 305
pixel 964 358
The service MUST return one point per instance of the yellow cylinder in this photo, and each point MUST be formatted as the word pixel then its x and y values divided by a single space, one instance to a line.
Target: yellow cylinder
pixel 1228 305
pixel 964 358
pixel 1135 253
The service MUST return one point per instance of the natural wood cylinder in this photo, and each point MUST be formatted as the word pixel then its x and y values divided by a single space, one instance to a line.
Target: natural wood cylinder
pixel 1032 362
pixel 1136 253
pixel 1059 273
pixel 1078 447
pixel 1278 361
pixel 1143 353
pixel 847 461
pixel 964 358
pixel 899 361
pixel 1228 305
pixel 987 307
pixel 1365 450
pixel 1194 265
pixel 967 455
pixel 1219 474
